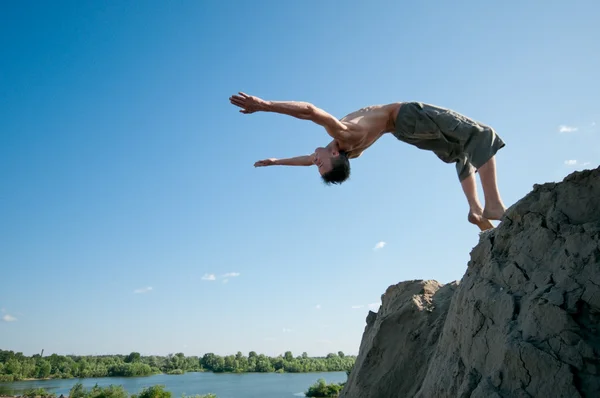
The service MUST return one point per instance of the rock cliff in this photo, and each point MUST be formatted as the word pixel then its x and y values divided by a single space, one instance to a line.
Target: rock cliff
pixel 522 322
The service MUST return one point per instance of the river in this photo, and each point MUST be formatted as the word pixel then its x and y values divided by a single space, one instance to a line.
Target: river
pixel 224 385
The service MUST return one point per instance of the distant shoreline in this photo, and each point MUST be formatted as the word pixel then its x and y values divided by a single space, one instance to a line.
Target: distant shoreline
pixel 16 367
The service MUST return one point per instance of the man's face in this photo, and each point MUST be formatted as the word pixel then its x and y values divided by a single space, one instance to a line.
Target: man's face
pixel 322 158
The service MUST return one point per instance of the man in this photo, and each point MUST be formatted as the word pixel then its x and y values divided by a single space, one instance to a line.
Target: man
pixel 452 137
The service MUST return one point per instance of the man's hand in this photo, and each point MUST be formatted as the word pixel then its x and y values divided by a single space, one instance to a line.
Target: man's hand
pixel 248 103
pixel 266 162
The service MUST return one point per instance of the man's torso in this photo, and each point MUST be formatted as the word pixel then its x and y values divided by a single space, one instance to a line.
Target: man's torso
pixel 366 126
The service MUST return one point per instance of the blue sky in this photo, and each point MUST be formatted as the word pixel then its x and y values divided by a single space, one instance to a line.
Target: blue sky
pixel 128 178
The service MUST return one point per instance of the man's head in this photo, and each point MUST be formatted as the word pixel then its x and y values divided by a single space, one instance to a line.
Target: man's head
pixel 333 164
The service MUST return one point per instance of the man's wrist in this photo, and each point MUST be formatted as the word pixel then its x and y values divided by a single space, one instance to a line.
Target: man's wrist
pixel 264 106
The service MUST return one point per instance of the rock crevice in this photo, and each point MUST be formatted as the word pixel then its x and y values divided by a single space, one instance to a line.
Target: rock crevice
pixel 522 322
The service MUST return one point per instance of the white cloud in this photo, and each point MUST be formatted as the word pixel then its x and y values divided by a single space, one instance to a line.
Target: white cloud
pixel 318 306
pixel 576 163
pixel 9 318
pixel 355 307
pixel 143 290
pixel 231 274
pixel 285 330
pixel 209 277
pixel 566 129
pixel 379 245
pixel 374 306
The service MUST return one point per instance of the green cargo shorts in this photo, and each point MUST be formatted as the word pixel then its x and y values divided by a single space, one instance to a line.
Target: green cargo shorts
pixel 453 137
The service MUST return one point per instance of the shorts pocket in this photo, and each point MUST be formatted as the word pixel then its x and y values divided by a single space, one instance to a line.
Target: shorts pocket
pixel 445 119
pixel 425 128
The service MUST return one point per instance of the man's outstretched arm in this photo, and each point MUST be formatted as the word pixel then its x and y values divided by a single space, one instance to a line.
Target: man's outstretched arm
pixel 305 160
pixel 298 109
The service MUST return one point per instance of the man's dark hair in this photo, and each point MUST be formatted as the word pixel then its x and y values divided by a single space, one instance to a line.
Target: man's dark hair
pixel 340 170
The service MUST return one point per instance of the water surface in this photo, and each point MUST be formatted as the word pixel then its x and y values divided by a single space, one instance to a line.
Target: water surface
pixel 224 385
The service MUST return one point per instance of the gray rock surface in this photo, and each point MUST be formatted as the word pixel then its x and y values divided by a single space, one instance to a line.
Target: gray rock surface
pixel 400 339
pixel 523 322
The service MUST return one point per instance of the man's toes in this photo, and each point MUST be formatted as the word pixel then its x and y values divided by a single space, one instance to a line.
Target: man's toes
pixel 485 224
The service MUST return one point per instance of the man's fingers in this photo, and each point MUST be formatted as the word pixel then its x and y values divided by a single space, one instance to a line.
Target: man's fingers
pixel 236 100
pixel 238 103
pixel 243 94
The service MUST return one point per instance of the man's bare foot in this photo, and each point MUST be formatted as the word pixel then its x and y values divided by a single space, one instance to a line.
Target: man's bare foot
pixel 494 211
pixel 476 218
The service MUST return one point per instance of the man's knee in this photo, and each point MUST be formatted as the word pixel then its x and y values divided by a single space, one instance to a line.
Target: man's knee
pixel 464 168
pixel 483 146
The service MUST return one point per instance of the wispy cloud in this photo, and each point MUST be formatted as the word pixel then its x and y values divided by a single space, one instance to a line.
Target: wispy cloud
pixel 226 277
pixel 566 129
pixel 143 290
pixel 379 245
pixel 355 307
pixel 318 306
pixel 286 330
pixel 9 318
pixel 209 277
pixel 574 162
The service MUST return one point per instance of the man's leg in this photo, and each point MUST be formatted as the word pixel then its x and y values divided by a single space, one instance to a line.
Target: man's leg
pixel 466 176
pixel 494 208
pixel 476 213
pixel 480 152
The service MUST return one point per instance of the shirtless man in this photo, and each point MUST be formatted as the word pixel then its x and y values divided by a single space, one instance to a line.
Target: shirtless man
pixel 452 137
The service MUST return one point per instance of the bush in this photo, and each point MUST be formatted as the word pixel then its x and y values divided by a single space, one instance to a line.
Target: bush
pixel 112 391
pixel 77 391
pixel 7 378
pixel 158 391
pixel 38 392
pixel 153 392
pixel 323 390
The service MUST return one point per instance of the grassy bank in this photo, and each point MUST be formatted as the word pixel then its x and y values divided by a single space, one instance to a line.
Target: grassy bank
pixel 78 391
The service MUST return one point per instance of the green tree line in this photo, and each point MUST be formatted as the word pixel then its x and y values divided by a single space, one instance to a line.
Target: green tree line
pixel 16 366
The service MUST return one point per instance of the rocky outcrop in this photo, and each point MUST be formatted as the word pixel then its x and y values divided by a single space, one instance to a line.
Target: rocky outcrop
pixel 399 340
pixel 522 322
